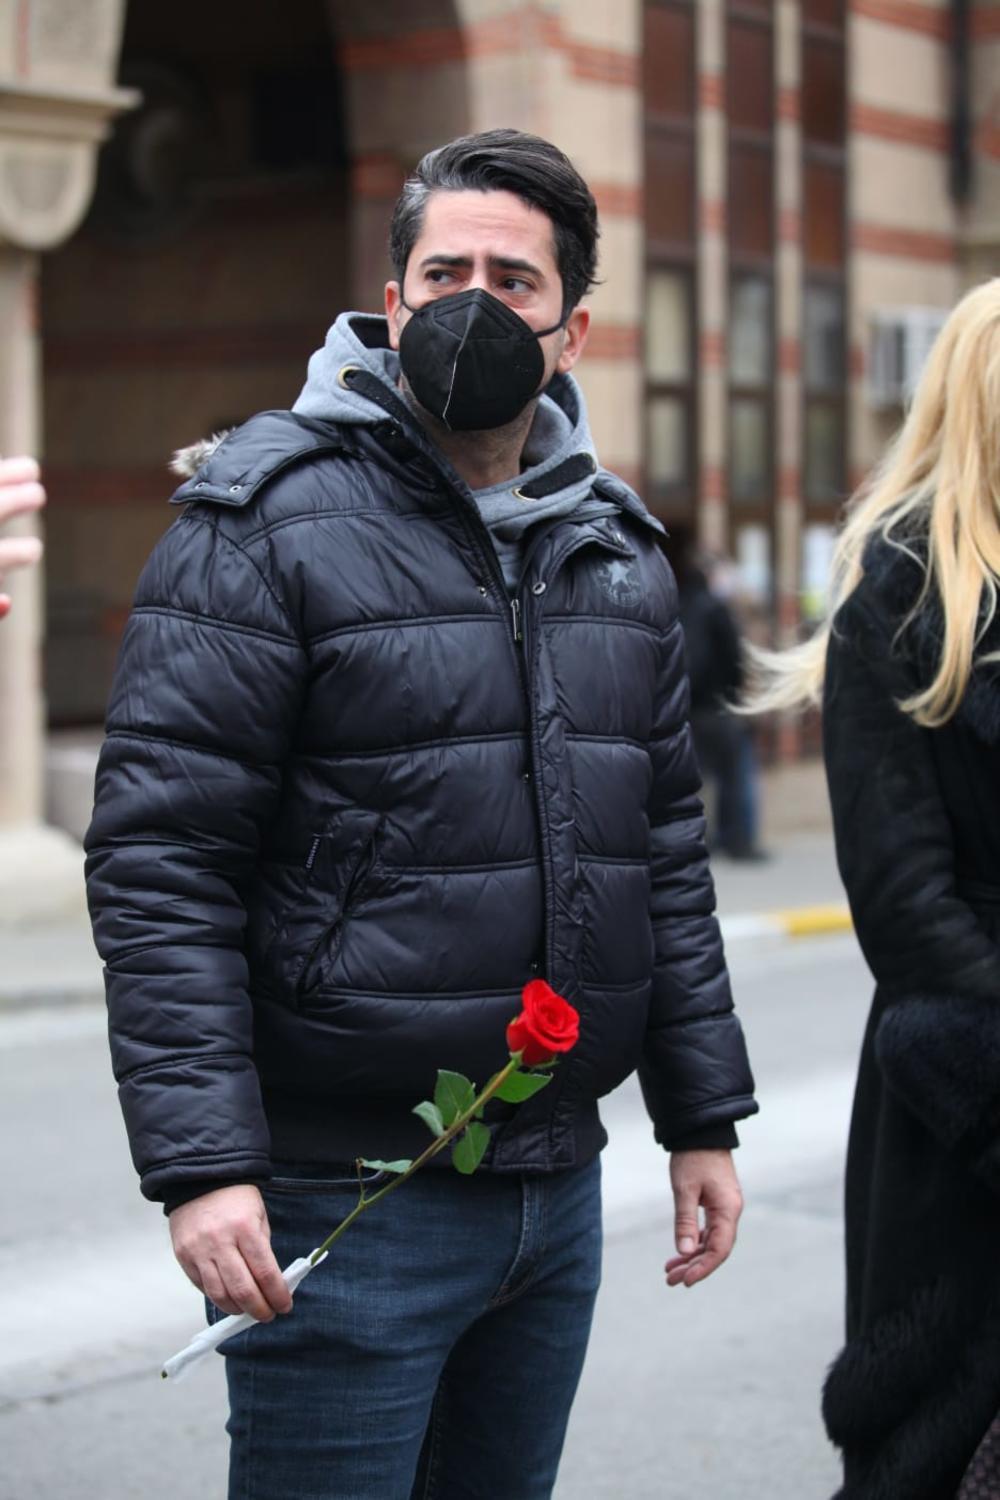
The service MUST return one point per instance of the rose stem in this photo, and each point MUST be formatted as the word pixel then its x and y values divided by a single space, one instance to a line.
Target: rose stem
pixel 438 1144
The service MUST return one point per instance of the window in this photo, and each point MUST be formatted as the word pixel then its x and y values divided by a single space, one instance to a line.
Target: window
pixel 751 363
pixel 670 74
pixel 750 108
pixel 824 145
pixel 670 387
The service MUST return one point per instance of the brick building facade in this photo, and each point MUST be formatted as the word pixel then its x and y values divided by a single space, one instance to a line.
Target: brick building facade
pixel 775 177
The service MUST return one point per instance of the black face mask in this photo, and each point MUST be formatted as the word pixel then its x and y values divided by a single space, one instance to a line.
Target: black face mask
pixel 470 361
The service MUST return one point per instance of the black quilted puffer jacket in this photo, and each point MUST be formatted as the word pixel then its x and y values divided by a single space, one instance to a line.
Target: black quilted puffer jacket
pixel 351 800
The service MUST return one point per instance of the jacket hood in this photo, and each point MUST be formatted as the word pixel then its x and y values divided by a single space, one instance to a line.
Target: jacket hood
pixel 560 434
pixel 560 437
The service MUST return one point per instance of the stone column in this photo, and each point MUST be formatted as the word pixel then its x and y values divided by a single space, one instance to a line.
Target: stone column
pixel 21 704
pixel 57 61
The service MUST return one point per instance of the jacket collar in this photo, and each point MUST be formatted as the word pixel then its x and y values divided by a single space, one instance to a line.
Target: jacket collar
pixel 894 571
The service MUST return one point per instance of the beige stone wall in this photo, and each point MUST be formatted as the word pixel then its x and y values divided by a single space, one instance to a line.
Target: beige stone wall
pixel 904 224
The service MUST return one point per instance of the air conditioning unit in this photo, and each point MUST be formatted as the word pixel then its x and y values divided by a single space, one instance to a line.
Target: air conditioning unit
pixel 900 341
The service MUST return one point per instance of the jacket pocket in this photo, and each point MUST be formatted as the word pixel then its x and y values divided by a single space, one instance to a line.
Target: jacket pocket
pixel 326 945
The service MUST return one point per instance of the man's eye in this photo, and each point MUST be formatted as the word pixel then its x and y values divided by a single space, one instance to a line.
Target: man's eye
pixel 516 284
pixel 438 278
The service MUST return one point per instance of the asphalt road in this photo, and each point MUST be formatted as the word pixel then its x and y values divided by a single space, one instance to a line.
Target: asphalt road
pixel 712 1392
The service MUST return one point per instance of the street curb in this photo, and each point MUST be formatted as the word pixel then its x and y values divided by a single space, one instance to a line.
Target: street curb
pixel 787 922
pixel 54 997
pixel 791 921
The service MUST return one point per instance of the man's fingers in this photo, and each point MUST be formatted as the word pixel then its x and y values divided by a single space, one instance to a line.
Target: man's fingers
pixel 717 1248
pixel 686 1233
pixel 19 552
pixel 267 1273
pixel 242 1291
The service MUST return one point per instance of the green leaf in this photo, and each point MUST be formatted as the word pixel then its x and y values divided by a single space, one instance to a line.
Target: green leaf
pixel 431 1116
pixel 467 1152
pixel 387 1166
pixel 521 1086
pixel 453 1095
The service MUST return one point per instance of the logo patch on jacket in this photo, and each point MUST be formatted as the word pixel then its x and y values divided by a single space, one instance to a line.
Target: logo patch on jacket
pixel 620 580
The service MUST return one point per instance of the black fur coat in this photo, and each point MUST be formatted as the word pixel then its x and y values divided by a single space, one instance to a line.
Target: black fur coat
pixel 917 819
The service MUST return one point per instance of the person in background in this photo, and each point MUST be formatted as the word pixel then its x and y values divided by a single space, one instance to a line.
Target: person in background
pixel 723 741
pixel 907 667
pixel 20 494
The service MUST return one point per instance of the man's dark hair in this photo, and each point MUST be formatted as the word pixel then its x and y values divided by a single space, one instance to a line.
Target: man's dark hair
pixel 510 161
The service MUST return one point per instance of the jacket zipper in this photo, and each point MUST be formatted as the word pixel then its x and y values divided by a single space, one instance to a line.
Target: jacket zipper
pixel 359 874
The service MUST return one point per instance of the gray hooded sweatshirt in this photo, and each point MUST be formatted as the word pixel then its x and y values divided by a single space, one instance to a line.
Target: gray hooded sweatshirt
pixel 558 432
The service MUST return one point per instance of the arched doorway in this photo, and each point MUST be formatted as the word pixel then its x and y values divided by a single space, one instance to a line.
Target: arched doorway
pixel 213 259
pixel 238 211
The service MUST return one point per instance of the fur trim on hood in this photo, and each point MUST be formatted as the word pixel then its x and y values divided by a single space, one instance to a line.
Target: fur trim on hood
pixel 187 461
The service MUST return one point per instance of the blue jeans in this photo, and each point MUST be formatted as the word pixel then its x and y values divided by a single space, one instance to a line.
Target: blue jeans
pixel 435 1354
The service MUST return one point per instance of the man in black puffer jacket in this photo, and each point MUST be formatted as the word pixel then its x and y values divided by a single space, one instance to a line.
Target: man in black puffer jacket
pixel 399 722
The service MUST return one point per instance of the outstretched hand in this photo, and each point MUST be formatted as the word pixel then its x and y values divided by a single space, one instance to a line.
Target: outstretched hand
pixel 706 1182
pixel 20 493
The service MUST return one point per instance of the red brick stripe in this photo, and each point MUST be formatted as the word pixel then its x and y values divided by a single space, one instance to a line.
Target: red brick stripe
pixel 789 483
pixel 985 22
pixel 789 356
pixel 988 138
pixel 602 64
pixel 712 349
pixel 519 31
pixel 614 341
pixel 909 15
pixel 893 125
pixel 909 244
pixel 377 175
pixel 711 91
pixel 790 226
pixel 713 216
pixel 713 482
pixel 619 200
pixel 789 104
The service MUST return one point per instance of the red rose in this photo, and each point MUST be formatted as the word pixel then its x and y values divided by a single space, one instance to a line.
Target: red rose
pixel 548 1024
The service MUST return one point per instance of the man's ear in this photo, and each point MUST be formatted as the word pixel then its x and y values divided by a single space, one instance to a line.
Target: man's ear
pixel 393 309
pixel 577 328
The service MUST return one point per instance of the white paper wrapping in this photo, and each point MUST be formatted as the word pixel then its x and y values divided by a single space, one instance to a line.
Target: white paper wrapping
pixel 210 1338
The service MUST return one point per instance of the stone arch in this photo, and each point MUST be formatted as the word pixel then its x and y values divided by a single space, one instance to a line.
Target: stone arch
pixel 214 257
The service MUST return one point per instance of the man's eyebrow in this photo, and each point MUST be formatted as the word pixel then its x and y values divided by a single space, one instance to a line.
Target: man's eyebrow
pixel 499 262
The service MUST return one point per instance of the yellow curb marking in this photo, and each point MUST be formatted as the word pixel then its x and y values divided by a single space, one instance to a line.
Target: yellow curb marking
pixel 804 921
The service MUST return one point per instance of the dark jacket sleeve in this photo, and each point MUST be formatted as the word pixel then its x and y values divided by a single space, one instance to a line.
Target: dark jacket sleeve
pixel 202 709
pixel 937 1036
pixel 694 1073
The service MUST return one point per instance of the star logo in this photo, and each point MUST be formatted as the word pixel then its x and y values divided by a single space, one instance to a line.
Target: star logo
pixel 618 573
pixel 620 580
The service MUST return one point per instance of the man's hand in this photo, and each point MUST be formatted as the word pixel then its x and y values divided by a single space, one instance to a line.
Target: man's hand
pixel 702 1180
pixel 223 1243
pixel 20 492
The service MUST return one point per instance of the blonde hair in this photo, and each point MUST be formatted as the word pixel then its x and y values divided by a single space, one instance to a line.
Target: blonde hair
pixel 940 482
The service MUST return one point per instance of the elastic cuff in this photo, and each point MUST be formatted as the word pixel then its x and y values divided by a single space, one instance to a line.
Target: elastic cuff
pixel 185 1192
pixel 709 1138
